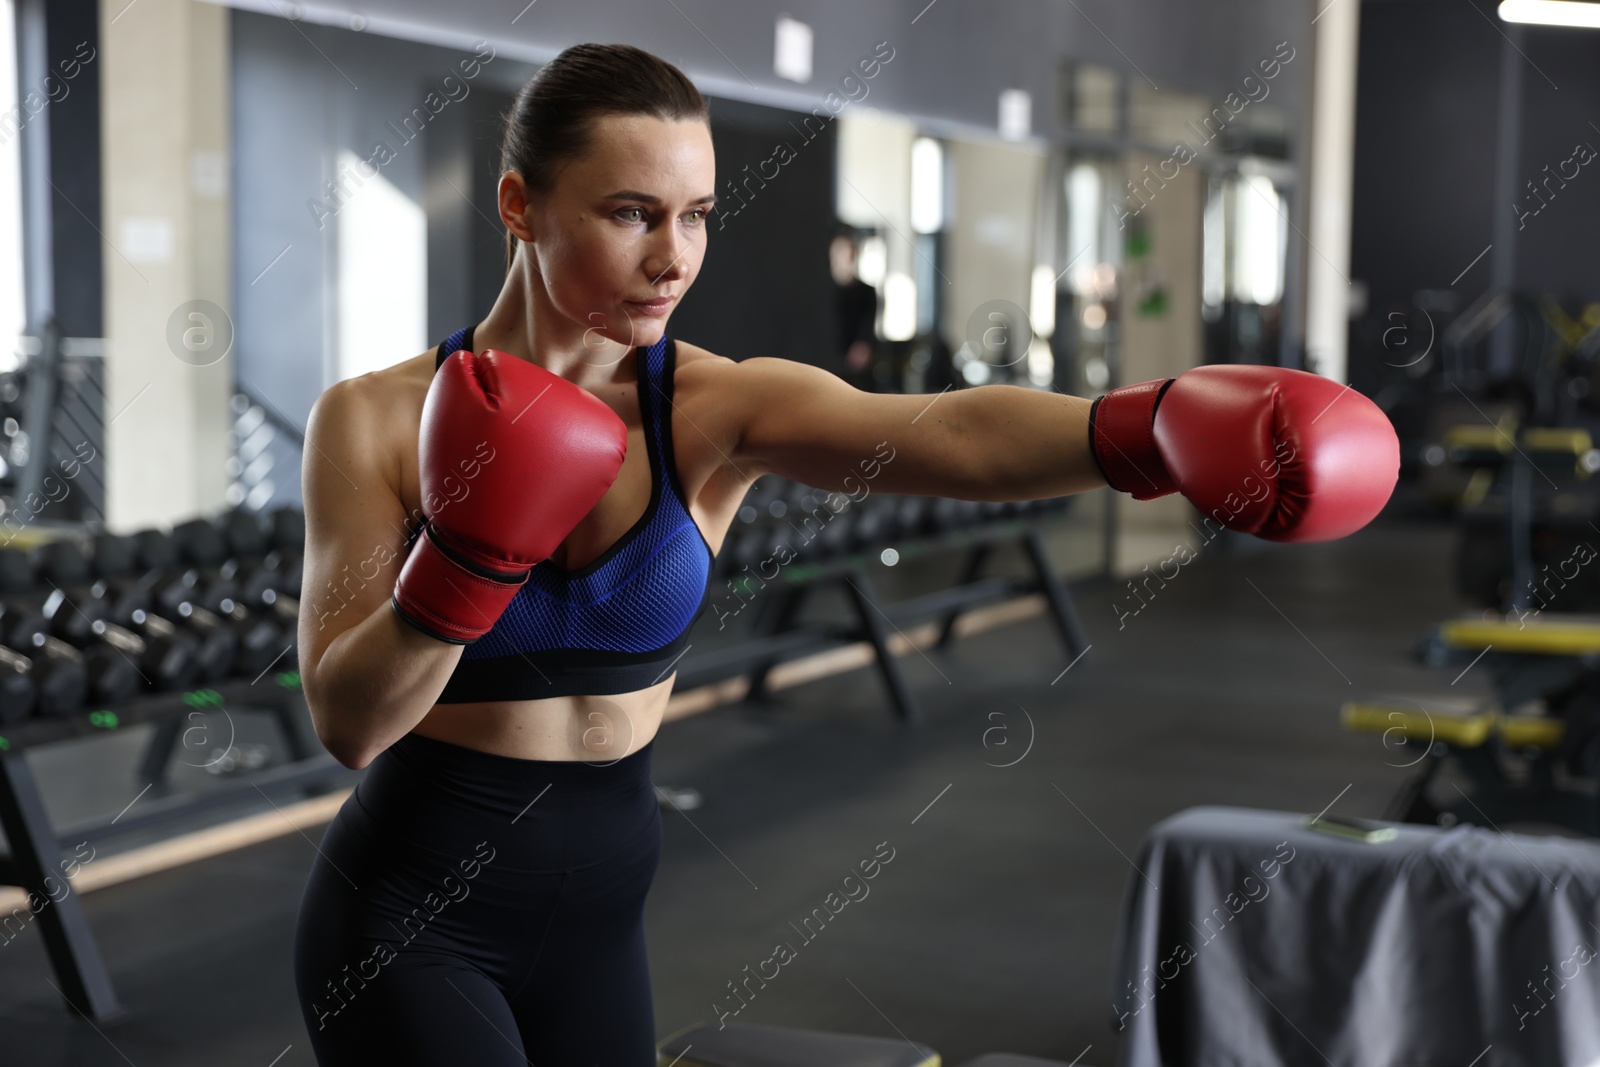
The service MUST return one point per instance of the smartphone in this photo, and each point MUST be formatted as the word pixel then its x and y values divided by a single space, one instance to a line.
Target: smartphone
pixel 1354 829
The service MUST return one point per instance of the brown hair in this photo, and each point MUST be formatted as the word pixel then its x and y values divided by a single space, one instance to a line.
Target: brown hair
pixel 551 122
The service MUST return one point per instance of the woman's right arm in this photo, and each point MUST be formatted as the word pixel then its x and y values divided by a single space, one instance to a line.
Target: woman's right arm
pixel 368 676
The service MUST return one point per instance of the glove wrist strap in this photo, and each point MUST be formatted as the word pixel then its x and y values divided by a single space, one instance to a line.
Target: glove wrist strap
pixel 1122 440
pixel 450 598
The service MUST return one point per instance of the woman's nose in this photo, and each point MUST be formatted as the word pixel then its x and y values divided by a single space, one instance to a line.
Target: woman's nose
pixel 666 260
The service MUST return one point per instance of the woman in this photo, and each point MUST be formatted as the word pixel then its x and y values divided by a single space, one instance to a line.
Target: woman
pixel 496 601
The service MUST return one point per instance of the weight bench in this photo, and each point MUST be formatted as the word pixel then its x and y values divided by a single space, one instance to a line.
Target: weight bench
pixel 1550 665
pixel 38 852
pixel 751 1045
pixel 778 637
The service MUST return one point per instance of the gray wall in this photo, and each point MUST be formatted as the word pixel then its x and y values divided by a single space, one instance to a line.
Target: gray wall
pixel 303 93
pixel 1425 202
pixel 953 57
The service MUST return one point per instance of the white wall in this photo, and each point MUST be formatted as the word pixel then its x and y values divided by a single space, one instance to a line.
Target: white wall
pixel 11 306
pixel 164 140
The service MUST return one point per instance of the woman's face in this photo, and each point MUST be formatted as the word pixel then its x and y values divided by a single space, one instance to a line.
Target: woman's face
pixel 625 226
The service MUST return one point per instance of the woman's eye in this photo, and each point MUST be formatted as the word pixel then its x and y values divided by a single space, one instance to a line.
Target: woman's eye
pixel 639 210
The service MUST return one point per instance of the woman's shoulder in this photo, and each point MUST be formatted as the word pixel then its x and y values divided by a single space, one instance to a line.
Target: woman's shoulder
pixel 697 369
pixel 378 406
pixel 689 354
pixel 382 388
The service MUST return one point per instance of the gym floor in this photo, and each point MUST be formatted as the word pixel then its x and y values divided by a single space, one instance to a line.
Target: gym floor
pixel 993 926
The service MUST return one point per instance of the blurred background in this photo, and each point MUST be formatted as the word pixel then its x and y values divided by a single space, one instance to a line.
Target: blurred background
pixel 210 213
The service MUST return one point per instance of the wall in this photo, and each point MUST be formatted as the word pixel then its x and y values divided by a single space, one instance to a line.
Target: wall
pixel 304 95
pixel 764 287
pixel 952 58
pixel 1425 202
pixel 164 134
pixel 298 111
pixel 1161 337
pixel 991 233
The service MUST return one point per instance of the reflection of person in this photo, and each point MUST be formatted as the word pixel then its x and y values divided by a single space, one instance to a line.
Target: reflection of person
pixel 568 469
pixel 856 308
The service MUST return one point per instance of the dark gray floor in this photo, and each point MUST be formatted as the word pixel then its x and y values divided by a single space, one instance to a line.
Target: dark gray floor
pixel 992 927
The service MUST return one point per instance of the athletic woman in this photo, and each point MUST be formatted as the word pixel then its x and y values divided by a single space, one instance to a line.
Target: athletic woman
pixel 509 536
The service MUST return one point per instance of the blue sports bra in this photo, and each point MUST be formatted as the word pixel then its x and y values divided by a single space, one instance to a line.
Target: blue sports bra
pixel 619 624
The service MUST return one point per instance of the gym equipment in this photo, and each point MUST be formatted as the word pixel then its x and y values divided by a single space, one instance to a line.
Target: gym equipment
pixel 60 675
pixel 37 851
pixel 18 694
pixel 1532 753
pixel 746 1045
pixel 244 534
pixel 166 659
pixel 17 571
pixel 113 555
pixel 101 633
pixel 789 540
pixel 288 529
pixel 1460 924
pixel 1528 500
pixel 735 1044
pixel 109 675
pixel 256 640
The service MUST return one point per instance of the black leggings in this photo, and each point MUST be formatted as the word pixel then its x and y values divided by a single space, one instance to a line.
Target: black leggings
pixel 467 907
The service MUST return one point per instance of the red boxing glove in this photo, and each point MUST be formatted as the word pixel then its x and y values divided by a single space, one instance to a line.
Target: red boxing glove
pixel 1282 454
pixel 512 457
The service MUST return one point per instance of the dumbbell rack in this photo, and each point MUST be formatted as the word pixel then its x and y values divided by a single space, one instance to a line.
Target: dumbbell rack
pixel 777 637
pixel 37 851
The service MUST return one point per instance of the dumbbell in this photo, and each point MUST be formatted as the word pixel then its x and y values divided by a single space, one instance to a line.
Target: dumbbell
pixel 16 571
pixel 753 545
pixel 107 674
pixel 241 535
pixel 60 675
pixel 874 525
pixel 247 534
pixel 113 555
pixel 278 573
pixel 818 531
pixel 19 695
pixel 62 563
pixel 47 677
pixel 288 529
pixel 271 588
pixel 257 639
pixel 134 607
pixel 207 595
pixel 211 599
pixel 836 536
pixel 909 515
pixel 56 675
pixel 248 583
pixel 164 657
pixel 197 543
pixel 949 514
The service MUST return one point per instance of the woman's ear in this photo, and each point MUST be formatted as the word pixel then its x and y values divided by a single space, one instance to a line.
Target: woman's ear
pixel 516 204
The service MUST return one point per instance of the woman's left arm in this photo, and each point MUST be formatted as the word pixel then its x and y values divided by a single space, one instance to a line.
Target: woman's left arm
pixel 990 442
pixel 1279 453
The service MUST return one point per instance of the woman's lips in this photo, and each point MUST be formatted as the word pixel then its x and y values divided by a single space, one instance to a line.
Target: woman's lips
pixel 654 308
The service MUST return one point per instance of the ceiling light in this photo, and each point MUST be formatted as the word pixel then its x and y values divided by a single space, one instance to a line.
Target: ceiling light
pixel 1551 12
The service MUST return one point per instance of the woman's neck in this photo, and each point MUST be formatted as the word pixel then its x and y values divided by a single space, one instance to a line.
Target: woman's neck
pixel 525 324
